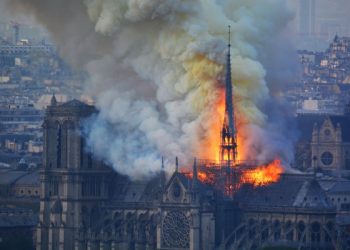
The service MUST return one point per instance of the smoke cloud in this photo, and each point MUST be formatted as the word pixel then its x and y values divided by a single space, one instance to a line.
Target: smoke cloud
pixel 156 72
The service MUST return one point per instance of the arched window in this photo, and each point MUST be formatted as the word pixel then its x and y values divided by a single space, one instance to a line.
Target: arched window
pixel 301 231
pixel 315 232
pixel 347 160
pixel 329 232
pixel 58 145
pixel 252 229
pixel 289 231
pixel 277 230
pixel 82 146
pixel 66 127
pixel 264 230
pixel 89 160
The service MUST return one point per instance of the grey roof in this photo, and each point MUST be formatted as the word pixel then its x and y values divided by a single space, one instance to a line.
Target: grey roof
pixel 9 177
pixel 326 184
pixel 187 182
pixel 289 192
pixel 340 187
pixel 136 191
pixel 71 108
pixel 17 217
pixel 19 177
pixel 30 179
pixel 74 103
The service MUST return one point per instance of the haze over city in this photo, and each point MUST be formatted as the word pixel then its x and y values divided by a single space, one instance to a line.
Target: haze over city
pixel 187 125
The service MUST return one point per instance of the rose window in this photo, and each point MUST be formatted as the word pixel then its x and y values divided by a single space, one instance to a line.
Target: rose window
pixel 176 230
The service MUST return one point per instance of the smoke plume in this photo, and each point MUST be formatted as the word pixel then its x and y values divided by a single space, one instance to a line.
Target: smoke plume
pixel 156 72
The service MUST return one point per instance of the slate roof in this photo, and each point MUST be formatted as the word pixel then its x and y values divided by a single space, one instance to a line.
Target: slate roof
pixel 19 177
pixel 74 103
pixel 340 187
pixel 305 124
pixel 17 217
pixel 29 179
pixel 9 177
pixel 302 193
pixel 136 191
pixel 71 108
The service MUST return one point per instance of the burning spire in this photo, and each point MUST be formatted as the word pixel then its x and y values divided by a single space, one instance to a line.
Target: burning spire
pixel 228 147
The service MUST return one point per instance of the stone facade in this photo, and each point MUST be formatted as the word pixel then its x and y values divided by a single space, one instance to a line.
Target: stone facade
pixel 85 205
pixel 324 143
pixel 70 179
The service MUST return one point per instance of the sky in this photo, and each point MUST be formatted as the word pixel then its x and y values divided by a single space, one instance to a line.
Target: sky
pixel 331 17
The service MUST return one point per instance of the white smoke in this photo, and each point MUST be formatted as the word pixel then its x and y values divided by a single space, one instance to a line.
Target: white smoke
pixel 156 70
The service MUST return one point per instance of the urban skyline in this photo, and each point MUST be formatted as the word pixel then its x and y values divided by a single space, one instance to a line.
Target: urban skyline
pixel 174 125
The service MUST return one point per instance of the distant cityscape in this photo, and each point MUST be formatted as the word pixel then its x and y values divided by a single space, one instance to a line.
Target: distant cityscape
pixel 33 77
pixel 30 72
pixel 324 81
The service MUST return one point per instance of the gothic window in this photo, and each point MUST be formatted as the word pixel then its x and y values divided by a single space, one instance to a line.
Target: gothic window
pixel 65 142
pixel 176 230
pixel 289 231
pixel 91 186
pixel 301 231
pixel 176 190
pixel 277 230
pixel 315 232
pixel 54 186
pixel 58 146
pixel 264 230
pixel 347 160
pixel 329 232
pixel 252 229
pixel 82 152
pixel 89 163
pixel 327 132
pixel 327 158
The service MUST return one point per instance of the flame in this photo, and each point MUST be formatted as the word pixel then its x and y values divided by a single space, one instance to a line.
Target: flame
pixel 203 177
pixel 263 175
pixel 206 72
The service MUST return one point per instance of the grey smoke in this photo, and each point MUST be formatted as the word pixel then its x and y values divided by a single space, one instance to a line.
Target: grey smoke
pixel 156 98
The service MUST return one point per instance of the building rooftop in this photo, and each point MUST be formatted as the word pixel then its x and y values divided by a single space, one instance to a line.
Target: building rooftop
pixel 19 177
pixel 291 193
pixel 17 217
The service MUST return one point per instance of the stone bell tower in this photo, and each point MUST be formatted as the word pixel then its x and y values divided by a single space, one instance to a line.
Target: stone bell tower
pixel 73 183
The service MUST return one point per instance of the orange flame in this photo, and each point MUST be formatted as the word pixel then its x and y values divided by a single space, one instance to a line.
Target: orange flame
pixel 210 148
pixel 263 175
pixel 203 177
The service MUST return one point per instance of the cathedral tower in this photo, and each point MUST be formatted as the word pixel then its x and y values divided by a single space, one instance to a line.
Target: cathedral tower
pixel 72 181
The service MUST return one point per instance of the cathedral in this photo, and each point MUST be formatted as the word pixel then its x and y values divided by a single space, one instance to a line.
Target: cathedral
pixel 85 205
